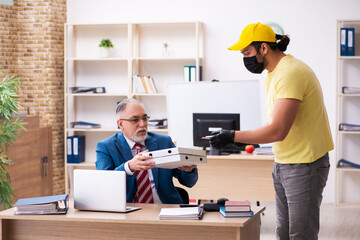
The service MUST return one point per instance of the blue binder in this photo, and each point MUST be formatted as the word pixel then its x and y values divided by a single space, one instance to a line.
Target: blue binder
pixel 40 205
pixel 193 73
pixel 78 149
pixel 350 41
pixel 69 149
pixel 343 42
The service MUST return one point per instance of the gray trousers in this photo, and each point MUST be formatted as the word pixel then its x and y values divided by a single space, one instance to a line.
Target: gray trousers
pixel 298 195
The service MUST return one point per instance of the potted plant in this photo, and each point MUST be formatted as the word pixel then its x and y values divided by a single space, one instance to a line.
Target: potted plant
pixel 10 125
pixel 105 46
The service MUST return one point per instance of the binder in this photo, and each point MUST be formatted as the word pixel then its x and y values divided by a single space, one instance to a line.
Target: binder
pixel 78 149
pixel 57 204
pixel 187 73
pixel 350 41
pixel 343 42
pixel 69 149
pixel 343 163
pixel 193 77
pixel 87 89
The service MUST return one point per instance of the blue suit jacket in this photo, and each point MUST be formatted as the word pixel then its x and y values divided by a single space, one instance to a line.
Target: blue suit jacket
pixel 113 152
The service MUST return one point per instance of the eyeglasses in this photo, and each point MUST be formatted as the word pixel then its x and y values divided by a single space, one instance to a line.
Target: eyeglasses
pixel 136 119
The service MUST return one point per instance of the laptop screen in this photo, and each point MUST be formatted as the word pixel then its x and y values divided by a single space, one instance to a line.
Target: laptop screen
pixel 100 190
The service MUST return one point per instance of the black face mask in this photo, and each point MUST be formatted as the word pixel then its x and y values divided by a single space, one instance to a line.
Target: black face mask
pixel 252 64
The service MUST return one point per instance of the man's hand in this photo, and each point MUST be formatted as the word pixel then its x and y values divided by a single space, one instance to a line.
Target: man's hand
pixel 187 168
pixel 222 138
pixel 139 162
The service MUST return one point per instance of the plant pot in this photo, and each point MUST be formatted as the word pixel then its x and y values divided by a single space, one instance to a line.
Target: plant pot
pixel 104 52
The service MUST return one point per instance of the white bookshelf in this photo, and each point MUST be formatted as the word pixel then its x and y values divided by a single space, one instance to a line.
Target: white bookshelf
pixel 347 179
pixel 138 49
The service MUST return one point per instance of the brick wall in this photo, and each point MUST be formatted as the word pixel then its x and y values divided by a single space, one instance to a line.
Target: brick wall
pixel 32 48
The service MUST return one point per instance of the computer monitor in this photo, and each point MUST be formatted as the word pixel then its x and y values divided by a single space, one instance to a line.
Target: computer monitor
pixel 205 123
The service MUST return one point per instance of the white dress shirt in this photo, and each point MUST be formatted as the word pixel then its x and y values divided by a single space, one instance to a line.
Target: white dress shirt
pixel 130 173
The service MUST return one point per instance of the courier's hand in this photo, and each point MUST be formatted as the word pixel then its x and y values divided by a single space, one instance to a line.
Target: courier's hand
pixel 222 138
pixel 139 162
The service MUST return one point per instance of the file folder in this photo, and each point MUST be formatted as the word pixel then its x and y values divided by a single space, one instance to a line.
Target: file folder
pixel 78 149
pixel 69 149
pixel 57 204
pixel 343 42
pixel 187 73
pixel 350 41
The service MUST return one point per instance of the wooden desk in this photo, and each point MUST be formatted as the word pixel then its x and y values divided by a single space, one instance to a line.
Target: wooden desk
pixel 236 177
pixel 141 224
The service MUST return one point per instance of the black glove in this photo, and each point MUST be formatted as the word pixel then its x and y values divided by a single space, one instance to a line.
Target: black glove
pixel 222 138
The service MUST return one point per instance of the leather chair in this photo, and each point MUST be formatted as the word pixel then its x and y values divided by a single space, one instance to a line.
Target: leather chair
pixel 184 195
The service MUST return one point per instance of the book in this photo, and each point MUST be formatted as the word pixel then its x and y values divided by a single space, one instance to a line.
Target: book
pixel 351 90
pixel 152 84
pixel 237 206
pixel 139 88
pixel 349 127
pixel 343 163
pixel 57 204
pixel 87 90
pixel 235 214
pixel 143 81
pixel 186 213
pixel 86 125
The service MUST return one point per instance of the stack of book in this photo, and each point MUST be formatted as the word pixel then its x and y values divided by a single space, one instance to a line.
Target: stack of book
pixel 236 209
pixel 186 213
pixel 144 84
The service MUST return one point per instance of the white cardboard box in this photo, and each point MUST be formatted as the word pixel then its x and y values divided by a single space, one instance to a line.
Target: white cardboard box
pixel 177 157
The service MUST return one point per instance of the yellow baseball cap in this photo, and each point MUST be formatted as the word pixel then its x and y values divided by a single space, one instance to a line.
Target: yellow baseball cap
pixel 256 32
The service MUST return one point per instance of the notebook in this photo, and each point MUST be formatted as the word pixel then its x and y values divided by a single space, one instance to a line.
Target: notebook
pixel 100 190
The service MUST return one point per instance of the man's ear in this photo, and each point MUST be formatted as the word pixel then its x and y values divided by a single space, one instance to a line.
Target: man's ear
pixel 119 123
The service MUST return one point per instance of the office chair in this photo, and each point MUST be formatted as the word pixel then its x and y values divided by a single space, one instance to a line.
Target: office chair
pixel 183 194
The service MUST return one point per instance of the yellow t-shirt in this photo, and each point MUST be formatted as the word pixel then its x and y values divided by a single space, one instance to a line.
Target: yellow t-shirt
pixel 309 137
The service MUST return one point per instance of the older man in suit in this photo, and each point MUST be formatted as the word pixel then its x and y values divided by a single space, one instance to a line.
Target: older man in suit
pixel 123 152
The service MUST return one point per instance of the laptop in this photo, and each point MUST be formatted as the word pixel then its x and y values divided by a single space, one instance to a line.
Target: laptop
pixel 100 190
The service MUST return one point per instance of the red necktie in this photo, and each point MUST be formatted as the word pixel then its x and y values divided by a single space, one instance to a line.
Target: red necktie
pixel 144 192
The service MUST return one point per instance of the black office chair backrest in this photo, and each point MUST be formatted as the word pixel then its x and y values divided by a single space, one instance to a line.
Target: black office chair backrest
pixel 184 195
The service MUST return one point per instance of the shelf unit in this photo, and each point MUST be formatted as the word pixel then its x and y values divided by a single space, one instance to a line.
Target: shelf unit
pixel 347 179
pixel 138 50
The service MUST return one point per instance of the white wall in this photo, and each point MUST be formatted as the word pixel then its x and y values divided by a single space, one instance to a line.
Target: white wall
pixel 311 25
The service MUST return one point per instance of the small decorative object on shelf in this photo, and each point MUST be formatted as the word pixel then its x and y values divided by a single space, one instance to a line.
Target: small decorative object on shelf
pixel 105 46
pixel 165 52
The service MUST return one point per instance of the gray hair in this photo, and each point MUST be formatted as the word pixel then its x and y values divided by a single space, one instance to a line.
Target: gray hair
pixel 122 105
